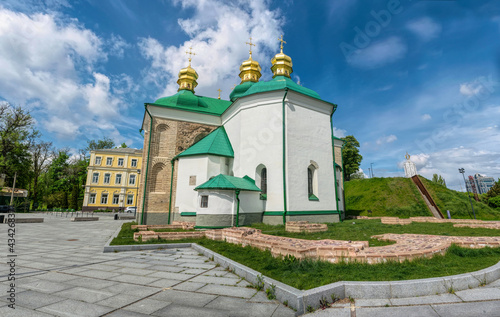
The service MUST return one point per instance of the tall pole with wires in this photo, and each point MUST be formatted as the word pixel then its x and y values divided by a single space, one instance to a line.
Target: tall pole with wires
pixel 462 171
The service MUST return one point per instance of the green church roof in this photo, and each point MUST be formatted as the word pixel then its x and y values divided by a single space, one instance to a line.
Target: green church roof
pixel 239 90
pixel 216 143
pixel 229 182
pixel 279 83
pixel 186 100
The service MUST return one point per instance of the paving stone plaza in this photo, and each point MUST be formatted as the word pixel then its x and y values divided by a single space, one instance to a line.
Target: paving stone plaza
pixel 60 270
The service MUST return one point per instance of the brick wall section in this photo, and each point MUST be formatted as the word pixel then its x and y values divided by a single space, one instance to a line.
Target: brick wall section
pixel 305 226
pixel 407 247
pixel 169 138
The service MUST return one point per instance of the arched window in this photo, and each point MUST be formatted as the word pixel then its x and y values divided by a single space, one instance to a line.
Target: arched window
pixel 312 181
pixel 261 180
pixel 160 136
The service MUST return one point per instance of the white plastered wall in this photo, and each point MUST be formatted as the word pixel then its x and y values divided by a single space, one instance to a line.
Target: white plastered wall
pixel 220 202
pixel 254 127
pixel 309 141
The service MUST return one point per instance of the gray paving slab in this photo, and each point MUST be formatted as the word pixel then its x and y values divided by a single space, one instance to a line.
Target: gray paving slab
pixel 56 277
pixel 372 302
pixel 227 290
pixel 189 286
pixel 189 311
pixel 171 276
pixel 165 283
pixel 167 268
pixel 147 306
pixel 215 280
pixel 184 298
pixel 119 300
pixel 240 307
pixel 98 274
pixel 126 313
pixel 283 311
pixel 494 284
pixel 479 294
pixel 332 312
pixel 85 294
pixel 33 299
pixel 89 282
pixel 483 309
pixel 130 289
pixel 45 286
pixel 134 279
pixel 73 308
pixel 421 300
pixel 5 311
pixel 407 311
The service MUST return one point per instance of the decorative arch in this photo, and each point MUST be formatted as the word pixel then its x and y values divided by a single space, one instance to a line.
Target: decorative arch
pixel 158 180
pixel 160 135
pixel 200 136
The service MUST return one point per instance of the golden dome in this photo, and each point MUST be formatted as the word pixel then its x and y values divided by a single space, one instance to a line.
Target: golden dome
pixel 187 76
pixel 250 69
pixel 282 63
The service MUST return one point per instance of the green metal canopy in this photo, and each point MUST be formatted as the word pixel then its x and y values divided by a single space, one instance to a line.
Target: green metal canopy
pixel 216 143
pixel 229 182
pixel 186 100
pixel 279 83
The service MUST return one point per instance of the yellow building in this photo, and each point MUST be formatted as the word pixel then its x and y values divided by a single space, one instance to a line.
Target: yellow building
pixel 112 179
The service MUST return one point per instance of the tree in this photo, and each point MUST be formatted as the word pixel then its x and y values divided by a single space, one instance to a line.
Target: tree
pixel 16 133
pixel 358 175
pixel 438 179
pixel 351 158
pixel 124 145
pixel 40 154
pixel 494 191
pixel 105 143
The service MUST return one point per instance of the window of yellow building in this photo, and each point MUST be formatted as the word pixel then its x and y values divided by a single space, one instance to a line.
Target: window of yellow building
pixel 130 199
pixel 115 199
pixel 95 178
pixel 107 176
pixel 133 163
pixel 104 199
pixel 120 162
pixel 131 180
pixel 109 161
pixel 118 179
pixel 92 199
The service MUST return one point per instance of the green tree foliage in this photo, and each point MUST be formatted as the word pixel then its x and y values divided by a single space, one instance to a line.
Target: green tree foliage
pixel 350 157
pixel 16 134
pixel 105 143
pixel 494 191
pixel 438 179
pixel 358 175
pixel 494 202
pixel 124 145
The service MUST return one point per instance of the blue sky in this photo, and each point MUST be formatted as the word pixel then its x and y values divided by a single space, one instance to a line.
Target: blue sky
pixel 416 76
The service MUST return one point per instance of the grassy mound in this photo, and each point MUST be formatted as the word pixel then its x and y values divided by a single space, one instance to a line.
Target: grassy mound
pixel 399 197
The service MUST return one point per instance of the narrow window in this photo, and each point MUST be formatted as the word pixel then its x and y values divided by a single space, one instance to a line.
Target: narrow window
pixel 97 160
pixel 115 199
pixel 309 181
pixel 133 163
pixel 312 182
pixel 109 161
pixel 107 176
pixel 92 199
pixel 118 179
pixel 131 180
pixel 95 178
pixel 130 199
pixel 104 199
pixel 204 202
pixel 263 181
pixel 120 162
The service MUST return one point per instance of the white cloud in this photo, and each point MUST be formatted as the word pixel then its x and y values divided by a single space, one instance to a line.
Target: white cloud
pixel 46 66
pixel 117 45
pixel 426 117
pixel 218 31
pixel 339 133
pixel 378 54
pixel 386 139
pixel 425 28
pixel 477 86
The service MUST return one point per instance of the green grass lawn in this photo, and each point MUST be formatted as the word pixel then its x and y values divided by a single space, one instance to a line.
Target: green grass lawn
pixel 308 274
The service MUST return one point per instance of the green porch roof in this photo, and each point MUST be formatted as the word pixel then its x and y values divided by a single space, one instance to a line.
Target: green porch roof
pixel 279 83
pixel 216 143
pixel 187 101
pixel 229 182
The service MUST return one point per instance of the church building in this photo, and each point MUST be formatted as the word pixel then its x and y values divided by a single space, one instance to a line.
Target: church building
pixel 266 155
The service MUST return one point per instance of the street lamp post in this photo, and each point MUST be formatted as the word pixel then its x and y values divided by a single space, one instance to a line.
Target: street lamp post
pixel 137 190
pixel 462 171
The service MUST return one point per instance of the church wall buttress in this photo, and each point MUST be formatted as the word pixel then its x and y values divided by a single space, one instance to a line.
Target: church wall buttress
pixel 168 139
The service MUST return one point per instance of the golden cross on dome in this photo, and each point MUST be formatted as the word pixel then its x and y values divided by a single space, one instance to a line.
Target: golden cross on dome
pixel 219 92
pixel 190 53
pixel 282 41
pixel 251 44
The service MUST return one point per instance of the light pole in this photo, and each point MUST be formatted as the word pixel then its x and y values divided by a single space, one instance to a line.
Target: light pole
pixel 137 190
pixel 371 165
pixel 462 171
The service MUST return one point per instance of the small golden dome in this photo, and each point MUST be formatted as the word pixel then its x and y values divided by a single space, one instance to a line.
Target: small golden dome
pixel 282 63
pixel 250 69
pixel 188 76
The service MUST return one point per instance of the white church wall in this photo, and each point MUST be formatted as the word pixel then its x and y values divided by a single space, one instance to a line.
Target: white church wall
pixel 254 127
pixel 308 141
pixel 217 165
pixel 219 202
pixel 250 202
pixel 189 167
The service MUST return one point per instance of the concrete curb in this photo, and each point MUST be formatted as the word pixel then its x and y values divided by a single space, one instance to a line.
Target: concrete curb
pixel 300 300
